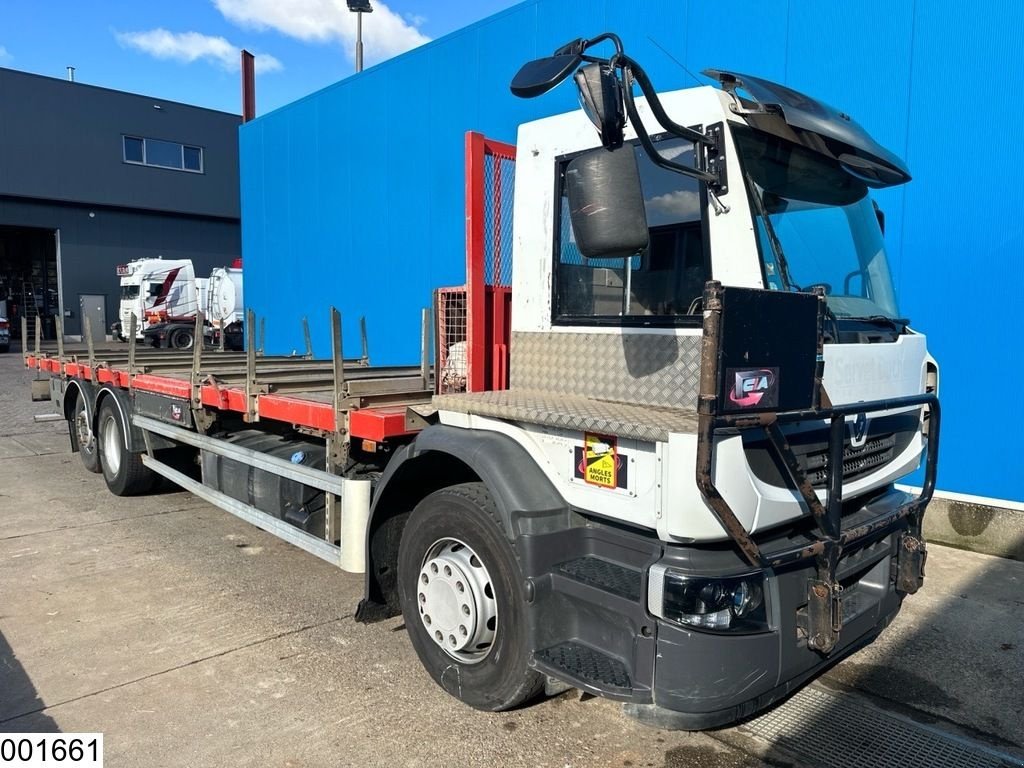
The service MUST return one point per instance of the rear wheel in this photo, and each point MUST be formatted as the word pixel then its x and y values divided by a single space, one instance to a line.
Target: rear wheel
pixel 124 471
pixel 462 599
pixel 182 338
pixel 83 439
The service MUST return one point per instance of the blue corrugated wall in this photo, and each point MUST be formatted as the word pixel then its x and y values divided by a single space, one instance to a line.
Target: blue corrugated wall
pixel 354 196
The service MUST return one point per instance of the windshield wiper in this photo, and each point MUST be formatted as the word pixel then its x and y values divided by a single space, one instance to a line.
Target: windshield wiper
pixel 896 323
pixel 773 239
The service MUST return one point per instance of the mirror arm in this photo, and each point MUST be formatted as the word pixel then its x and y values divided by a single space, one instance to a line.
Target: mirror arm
pixel 637 72
pixel 652 152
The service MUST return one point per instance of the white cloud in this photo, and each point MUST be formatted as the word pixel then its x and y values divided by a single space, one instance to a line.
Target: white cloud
pixel 679 205
pixel 5 56
pixel 385 33
pixel 192 46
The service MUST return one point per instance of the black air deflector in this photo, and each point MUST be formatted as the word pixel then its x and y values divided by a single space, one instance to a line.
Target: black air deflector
pixel 850 142
pixel 768 352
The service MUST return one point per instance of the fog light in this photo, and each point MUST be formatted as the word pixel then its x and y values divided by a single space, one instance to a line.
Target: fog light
pixel 728 604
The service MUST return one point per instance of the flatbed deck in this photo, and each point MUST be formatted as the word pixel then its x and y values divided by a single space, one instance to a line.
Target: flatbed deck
pixel 355 398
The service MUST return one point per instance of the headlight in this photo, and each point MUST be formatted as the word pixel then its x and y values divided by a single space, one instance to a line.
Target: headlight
pixel 728 604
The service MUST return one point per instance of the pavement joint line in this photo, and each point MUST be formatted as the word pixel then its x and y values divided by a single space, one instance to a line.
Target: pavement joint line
pixel 102 522
pixel 176 668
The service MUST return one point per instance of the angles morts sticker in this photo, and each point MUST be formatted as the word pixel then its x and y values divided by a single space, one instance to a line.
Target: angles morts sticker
pixel 598 461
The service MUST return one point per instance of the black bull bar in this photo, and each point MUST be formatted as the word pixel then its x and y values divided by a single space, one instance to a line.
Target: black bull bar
pixel 782 334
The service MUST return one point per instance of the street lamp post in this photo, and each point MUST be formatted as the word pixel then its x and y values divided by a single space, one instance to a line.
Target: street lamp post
pixel 359 7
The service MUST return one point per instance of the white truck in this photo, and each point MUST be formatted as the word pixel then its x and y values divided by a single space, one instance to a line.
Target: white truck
pixel 165 295
pixel 684 499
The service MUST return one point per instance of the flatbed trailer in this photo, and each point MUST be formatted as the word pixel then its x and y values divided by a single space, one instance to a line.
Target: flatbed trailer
pixel 167 398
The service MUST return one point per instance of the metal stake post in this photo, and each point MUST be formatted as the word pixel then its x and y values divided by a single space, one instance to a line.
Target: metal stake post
pixel 250 366
pixel 309 339
pixel 366 341
pixel 132 343
pixel 197 362
pixel 59 323
pixel 425 349
pixel 88 343
pixel 24 336
pixel 338 442
pixel 337 367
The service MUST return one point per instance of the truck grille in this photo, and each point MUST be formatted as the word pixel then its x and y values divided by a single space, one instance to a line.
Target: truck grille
pixel 856 461
pixel 887 437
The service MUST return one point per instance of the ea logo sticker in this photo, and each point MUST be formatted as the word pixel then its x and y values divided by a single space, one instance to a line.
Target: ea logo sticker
pixel 750 387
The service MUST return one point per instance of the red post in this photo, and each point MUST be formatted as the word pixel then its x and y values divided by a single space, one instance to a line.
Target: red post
pixel 248 86
pixel 476 342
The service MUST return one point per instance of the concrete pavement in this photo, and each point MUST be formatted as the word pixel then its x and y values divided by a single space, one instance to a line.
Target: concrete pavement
pixel 192 639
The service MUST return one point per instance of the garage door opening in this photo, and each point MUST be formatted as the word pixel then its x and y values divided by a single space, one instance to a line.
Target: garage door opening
pixel 29 278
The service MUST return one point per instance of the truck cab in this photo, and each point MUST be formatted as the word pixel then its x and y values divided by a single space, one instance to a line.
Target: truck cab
pixel 712 394
pixel 154 288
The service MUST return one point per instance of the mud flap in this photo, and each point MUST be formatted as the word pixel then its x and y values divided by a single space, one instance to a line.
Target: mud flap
pixel 910 563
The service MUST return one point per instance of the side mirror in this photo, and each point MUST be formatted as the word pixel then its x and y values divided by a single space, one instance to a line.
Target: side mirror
pixel 606 204
pixel 541 75
pixel 880 215
pixel 601 98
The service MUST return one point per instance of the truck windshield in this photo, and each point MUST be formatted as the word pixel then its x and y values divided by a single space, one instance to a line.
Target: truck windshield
pixel 816 226
pixel 129 291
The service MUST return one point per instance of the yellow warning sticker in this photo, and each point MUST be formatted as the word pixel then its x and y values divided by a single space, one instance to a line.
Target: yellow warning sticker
pixel 601 460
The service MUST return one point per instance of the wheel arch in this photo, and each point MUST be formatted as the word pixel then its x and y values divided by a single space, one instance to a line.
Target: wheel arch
pixel 439 457
pixel 75 389
pixel 134 441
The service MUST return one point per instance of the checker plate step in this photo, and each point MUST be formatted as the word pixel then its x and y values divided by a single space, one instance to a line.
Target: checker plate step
pixel 603 574
pixel 586 664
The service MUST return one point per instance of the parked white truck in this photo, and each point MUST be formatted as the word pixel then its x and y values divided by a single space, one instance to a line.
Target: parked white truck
pixel 685 498
pixel 165 295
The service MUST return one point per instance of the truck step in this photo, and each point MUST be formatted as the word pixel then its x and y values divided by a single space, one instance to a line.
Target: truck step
pixel 582 663
pixel 603 574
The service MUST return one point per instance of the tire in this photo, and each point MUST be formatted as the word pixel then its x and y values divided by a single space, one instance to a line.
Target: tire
pixel 83 439
pixel 483 661
pixel 182 338
pixel 123 471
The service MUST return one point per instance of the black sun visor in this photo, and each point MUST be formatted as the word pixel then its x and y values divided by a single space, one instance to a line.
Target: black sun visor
pixel 859 154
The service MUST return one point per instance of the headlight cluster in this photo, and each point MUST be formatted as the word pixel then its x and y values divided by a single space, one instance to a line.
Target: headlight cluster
pixel 729 604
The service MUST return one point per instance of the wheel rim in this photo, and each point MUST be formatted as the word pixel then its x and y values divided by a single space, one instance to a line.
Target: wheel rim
pixel 182 340
pixel 456 601
pixel 111 446
pixel 83 431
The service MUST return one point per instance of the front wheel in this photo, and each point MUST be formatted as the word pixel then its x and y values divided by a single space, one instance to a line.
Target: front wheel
pixel 462 599
pixel 123 470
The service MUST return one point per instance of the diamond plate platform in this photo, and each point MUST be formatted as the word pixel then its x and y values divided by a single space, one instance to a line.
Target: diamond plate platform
pixel 573 412
pixel 833 730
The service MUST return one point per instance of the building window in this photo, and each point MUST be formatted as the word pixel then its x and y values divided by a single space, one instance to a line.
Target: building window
pixel 163 154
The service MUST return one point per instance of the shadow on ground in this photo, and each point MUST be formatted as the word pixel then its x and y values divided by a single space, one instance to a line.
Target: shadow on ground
pixel 21 708
pixel 949 662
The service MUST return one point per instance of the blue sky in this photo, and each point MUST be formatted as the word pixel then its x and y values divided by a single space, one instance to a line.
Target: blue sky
pixel 188 50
